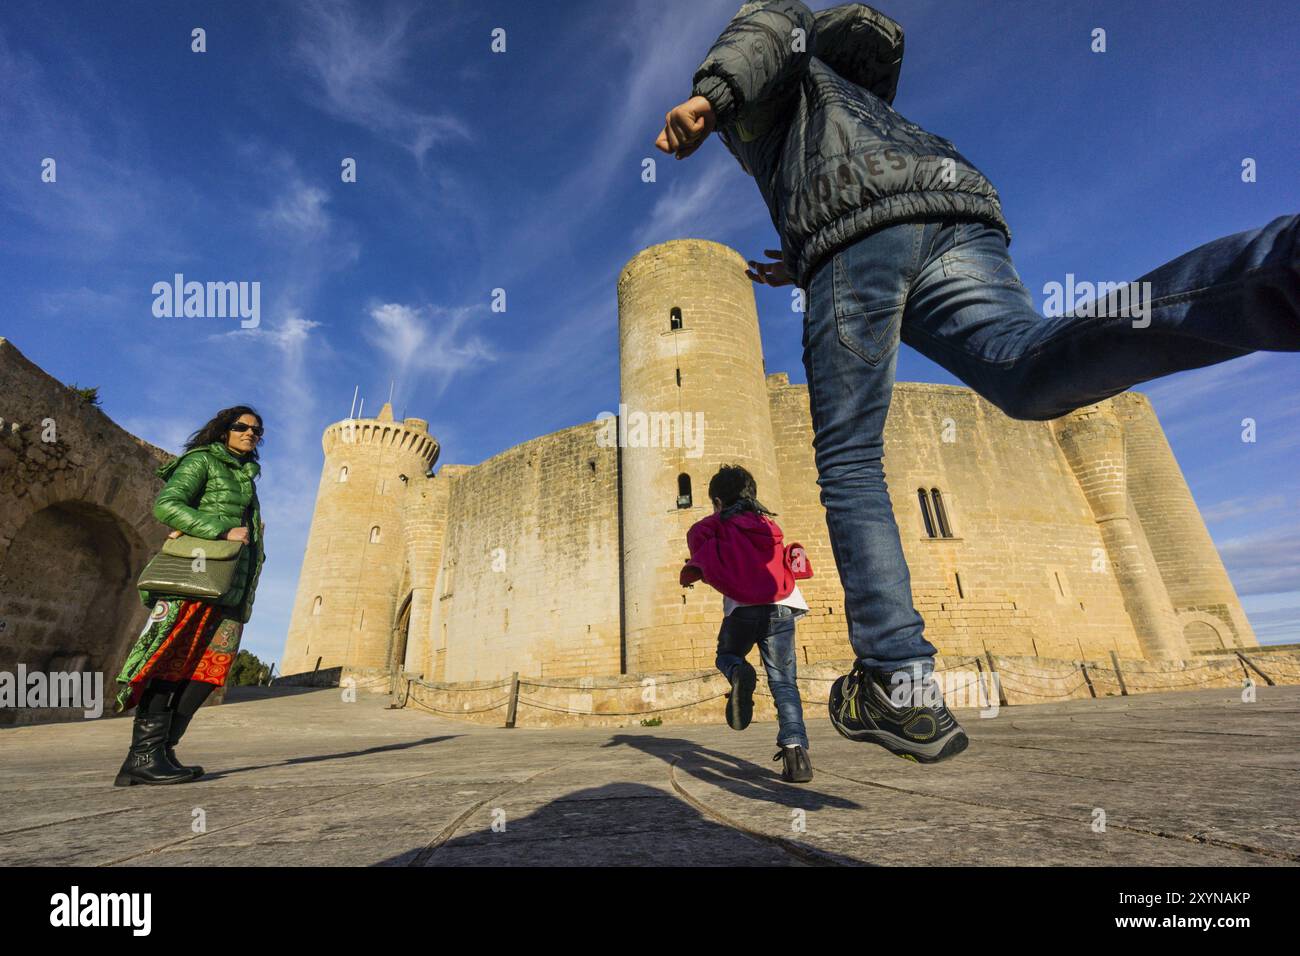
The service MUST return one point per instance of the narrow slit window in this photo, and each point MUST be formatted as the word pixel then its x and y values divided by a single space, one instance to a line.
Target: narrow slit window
pixel 315 606
pixel 945 530
pixel 683 491
pixel 925 511
pixel 674 319
pixel 343 474
pixel 374 535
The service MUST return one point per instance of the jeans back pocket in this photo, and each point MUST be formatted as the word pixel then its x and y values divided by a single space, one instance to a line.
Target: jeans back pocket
pixel 980 254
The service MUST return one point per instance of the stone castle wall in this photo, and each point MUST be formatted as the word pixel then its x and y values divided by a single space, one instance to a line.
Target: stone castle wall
pixel 530 567
pixel 1070 539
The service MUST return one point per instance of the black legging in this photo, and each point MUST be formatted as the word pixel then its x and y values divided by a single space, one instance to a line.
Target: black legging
pixel 183 697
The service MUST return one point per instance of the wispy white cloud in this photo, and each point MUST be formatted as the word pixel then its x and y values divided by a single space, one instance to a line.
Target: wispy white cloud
pixel 427 339
pixel 300 209
pixel 355 57
pixel 1246 506
pixel 1278 625
pixel 1264 563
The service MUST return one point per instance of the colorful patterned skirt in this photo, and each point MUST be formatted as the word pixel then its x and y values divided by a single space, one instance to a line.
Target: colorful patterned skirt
pixel 183 639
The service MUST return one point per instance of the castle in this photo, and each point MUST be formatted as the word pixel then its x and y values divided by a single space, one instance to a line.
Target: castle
pixel 1069 539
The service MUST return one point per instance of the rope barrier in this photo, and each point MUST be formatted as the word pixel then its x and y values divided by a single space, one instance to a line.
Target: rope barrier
pixel 1018 690
pixel 657 682
pixel 456 713
pixel 616 713
pixel 463 690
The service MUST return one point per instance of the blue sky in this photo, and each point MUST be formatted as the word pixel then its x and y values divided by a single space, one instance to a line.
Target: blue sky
pixel 522 171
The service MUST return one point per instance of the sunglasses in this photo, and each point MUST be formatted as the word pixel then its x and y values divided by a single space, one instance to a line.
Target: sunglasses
pixel 244 426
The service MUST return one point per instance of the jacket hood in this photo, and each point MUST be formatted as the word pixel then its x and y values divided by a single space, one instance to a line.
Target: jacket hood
pixel 217 450
pixel 862 45
pixel 759 530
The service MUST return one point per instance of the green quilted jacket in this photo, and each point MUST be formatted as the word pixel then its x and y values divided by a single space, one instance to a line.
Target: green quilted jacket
pixel 208 492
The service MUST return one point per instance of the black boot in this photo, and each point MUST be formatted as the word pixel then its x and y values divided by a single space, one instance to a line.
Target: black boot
pixel 797 767
pixel 147 761
pixel 180 723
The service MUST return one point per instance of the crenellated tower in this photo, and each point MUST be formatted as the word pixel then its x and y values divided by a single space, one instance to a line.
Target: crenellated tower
pixel 345 609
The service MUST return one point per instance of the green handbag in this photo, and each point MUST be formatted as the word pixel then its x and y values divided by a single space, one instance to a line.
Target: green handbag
pixel 192 567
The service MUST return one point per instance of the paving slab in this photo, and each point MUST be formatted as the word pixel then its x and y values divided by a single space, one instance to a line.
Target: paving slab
pixel 306 778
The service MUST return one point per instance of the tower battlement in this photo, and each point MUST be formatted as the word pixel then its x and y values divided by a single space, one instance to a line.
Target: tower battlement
pixel 410 436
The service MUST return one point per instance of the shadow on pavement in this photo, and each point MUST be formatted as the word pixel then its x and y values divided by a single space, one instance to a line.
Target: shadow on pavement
pixel 613 825
pixel 406 745
pixel 734 774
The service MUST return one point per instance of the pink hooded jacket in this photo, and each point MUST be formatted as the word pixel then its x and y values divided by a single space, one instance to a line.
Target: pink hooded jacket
pixel 743 556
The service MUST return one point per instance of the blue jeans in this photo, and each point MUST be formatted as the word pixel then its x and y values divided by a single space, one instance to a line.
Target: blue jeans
pixel 948 289
pixel 771 627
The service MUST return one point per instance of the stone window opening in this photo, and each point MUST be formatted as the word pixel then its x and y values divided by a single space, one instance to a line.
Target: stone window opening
pixel 343 474
pixel 374 535
pixel 674 319
pixel 945 530
pixel 315 606
pixel 683 491
pixel 925 512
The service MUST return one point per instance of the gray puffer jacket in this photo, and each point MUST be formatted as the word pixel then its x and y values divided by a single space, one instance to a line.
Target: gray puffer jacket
pixel 808 116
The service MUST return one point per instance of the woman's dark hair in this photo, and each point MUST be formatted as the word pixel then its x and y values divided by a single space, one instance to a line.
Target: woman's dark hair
pixel 216 429
pixel 735 485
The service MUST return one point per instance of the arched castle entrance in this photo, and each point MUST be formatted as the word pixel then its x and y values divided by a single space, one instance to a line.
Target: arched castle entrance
pixel 67 596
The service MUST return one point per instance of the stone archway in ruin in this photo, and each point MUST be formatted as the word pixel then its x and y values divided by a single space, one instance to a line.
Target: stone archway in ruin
pixel 67 590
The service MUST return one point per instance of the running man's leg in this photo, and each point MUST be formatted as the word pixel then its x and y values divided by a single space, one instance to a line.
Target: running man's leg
pixel 850 350
pixel 969 312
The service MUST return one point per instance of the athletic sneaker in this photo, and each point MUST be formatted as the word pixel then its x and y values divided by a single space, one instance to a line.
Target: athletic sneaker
pixel 797 767
pixel 861 710
pixel 740 702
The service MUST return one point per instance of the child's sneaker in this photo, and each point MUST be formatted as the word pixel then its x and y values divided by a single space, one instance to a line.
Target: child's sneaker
pixel 861 710
pixel 797 768
pixel 740 702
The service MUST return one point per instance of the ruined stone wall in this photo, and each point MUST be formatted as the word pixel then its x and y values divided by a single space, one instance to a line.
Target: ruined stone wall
pixel 76 528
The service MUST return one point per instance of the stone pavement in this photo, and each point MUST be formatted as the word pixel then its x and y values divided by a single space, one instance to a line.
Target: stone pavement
pixel 300 777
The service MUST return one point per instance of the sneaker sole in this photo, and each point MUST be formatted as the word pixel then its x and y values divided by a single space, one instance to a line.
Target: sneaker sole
pixel 740 707
pixel 949 745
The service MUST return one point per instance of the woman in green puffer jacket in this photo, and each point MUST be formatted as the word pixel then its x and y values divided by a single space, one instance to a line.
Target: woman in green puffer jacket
pixel 188 645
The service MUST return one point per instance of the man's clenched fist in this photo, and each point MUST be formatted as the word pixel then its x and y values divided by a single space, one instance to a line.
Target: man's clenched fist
pixel 686 127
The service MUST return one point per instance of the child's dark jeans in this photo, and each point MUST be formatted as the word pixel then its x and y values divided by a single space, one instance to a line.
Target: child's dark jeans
pixel 771 627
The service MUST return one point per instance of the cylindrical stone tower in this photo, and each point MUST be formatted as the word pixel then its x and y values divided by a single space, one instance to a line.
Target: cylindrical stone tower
pixel 693 397
pixel 1093 441
pixel 1199 587
pixel 347 589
